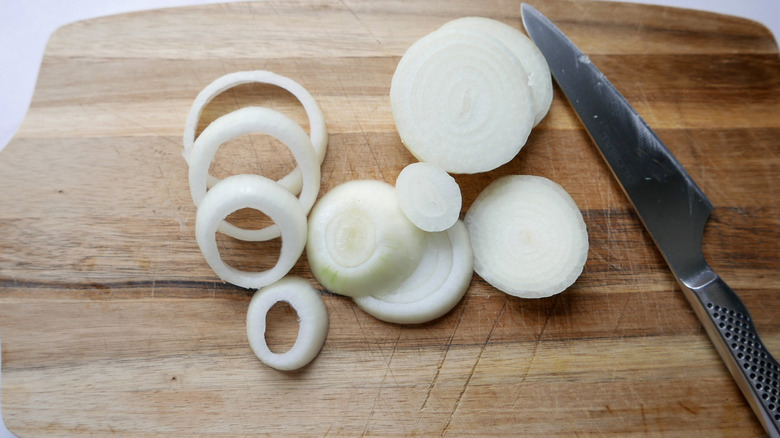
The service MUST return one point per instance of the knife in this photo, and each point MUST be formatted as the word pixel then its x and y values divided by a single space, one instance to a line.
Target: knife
pixel 673 209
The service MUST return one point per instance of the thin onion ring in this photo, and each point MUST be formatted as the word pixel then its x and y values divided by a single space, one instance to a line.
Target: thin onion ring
pixel 319 132
pixel 259 193
pixel 254 120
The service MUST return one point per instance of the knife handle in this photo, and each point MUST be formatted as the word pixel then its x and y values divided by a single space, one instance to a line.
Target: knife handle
pixel 730 327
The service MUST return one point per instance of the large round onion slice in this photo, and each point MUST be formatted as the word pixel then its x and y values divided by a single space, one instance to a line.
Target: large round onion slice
pixel 436 286
pixel 534 64
pixel 254 120
pixel 461 101
pixel 359 240
pixel 528 235
pixel 319 132
pixel 260 193
pixel 312 320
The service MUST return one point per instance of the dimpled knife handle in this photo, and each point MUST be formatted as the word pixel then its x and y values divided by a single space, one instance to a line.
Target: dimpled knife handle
pixel 753 367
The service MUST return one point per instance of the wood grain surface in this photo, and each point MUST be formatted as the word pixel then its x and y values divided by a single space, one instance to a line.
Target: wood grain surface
pixel 113 324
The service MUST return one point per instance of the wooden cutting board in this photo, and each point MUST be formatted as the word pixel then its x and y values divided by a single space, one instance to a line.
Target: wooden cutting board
pixel 113 324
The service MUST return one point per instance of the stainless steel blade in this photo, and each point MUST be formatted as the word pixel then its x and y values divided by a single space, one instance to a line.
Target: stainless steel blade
pixel 672 208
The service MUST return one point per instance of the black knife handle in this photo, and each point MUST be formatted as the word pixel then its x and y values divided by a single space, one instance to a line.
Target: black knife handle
pixel 731 329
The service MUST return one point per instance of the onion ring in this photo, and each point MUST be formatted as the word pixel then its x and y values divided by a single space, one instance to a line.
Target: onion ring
pixel 319 132
pixel 263 194
pixel 312 320
pixel 259 120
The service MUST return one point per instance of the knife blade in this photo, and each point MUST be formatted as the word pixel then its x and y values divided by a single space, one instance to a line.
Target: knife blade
pixel 673 209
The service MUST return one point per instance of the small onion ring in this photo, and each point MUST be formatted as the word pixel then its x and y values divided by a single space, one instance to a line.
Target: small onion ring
pixel 435 287
pixel 260 193
pixel 312 320
pixel 259 120
pixel 319 132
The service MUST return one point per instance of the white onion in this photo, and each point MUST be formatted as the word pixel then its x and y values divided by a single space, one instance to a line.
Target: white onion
pixel 461 101
pixel 319 133
pixel 534 63
pixel 359 240
pixel 528 235
pixel 428 196
pixel 436 286
pixel 260 193
pixel 312 320
pixel 258 120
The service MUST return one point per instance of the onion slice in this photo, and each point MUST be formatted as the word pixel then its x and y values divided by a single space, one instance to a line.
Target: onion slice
pixel 436 286
pixel 528 235
pixel 312 320
pixel 258 120
pixel 461 101
pixel 359 240
pixel 319 132
pixel 428 196
pixel 534 63
pixel 260 193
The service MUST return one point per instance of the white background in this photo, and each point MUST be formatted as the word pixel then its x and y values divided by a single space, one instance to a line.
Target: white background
pixel 25 27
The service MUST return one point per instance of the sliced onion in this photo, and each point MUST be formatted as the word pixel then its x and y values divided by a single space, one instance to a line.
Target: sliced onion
pixel 258 120
pixel 534 63
pixel 436 286
pixel 360 241
pixel 259 193
pixel 428 196
pixel 319 132
pixel 461 101
pixel 528 235
pixel 312 320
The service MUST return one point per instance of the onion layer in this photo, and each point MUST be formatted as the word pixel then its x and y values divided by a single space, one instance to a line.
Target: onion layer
pixel 359 240
pixel 319 133
pixel 528 235
pixel 461 101
pixel 428 196
pixel 312 320
pixel 259 120
pixel 435 287
pixel 259 193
